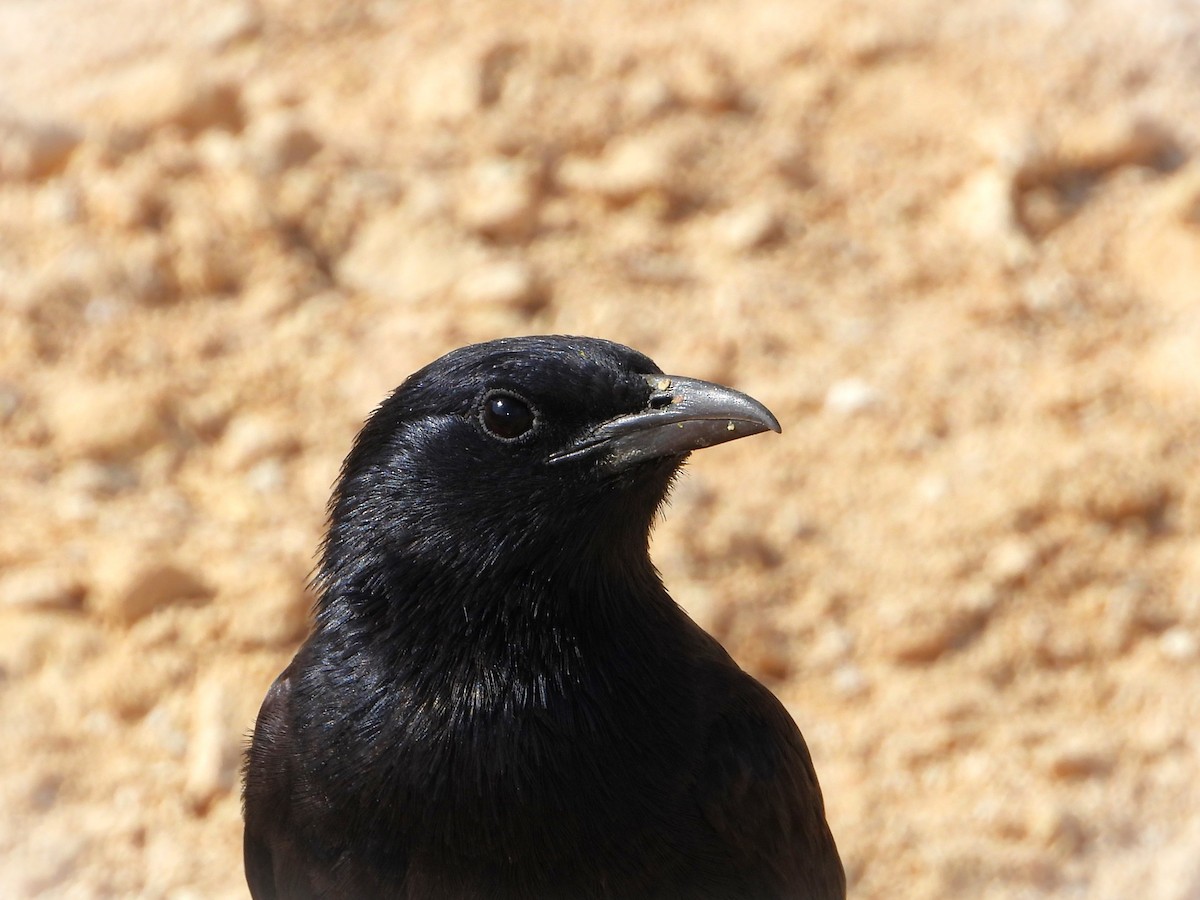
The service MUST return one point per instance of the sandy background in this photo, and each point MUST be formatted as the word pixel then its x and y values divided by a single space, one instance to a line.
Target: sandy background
pixel 954 246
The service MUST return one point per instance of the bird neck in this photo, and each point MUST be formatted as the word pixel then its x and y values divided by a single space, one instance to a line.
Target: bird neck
pixel 408 607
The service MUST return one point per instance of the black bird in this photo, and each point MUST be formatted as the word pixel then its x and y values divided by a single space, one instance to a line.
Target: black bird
pixel 499 699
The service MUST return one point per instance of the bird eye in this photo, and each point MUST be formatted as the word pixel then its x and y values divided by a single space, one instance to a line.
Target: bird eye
pixel 505 416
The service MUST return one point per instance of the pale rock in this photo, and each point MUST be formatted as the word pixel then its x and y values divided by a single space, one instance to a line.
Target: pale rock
pixel 60 204
pixel 166 731
pixel 129 588
pixel 750 227
pixel 1180 196
pixel 104 309
pixel 1088 149
pixel 1169 366
pixel 1009 144
pixel 852 396
pixel 1054 295
pixel 130 200
pixel 427 198
pixel 1055 826
pixel 273 295
pixel 105 420
pixel 628 169
pixel 206 415
pixel 272 90
pixel 1011 561
pixel 832 646
pixel 173 93
pixel 253 438
pixel 266 477
pixel 30 643
pixel 1160 252
pixel 1120 138
pixel 447 88
pixel 933 489
pixel 31 151
pixel 129 681
pixel 343 204
pixel 866 42
pixel 507 283
pixel 500 199
pixel 925 640
pixel 1175 868
pixel 703 81
pixel 213 748
pixel 983 208
pixel 1178 644
pixel 54 868
pixel 204 260
pixel 1112 488
pixel 390 260
pixel 1119 626
pixel 231 24
pixel 78 508
pixel 85 270
pixel 273 611
pixel 41 587
pixel 280 140
pixel 999 819
pixel 917 635
pixel 647 97
pixel 220 151
pixel 850 681
pixel 791 524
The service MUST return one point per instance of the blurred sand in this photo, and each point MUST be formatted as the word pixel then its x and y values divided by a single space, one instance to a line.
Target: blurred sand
pixel 954 247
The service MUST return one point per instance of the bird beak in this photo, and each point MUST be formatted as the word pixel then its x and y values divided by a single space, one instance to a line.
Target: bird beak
pixel 683 414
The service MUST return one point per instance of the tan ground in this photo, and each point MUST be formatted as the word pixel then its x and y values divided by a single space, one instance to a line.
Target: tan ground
pixel 955 247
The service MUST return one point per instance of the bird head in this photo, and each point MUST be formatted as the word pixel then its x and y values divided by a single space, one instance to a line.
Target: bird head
pixel 522 453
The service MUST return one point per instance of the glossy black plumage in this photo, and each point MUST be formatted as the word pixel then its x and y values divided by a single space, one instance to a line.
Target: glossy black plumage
pixel 499 699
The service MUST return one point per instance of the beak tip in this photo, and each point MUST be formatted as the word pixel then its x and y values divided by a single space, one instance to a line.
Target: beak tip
pixel 763 417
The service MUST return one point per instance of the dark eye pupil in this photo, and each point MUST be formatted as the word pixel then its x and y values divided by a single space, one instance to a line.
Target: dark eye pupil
pixel 506 417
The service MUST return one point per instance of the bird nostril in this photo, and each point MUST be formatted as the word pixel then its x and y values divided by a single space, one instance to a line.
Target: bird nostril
pixel 660 401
